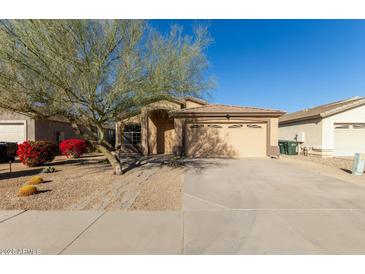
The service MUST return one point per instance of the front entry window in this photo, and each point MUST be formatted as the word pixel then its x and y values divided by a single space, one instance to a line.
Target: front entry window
pixel 132 134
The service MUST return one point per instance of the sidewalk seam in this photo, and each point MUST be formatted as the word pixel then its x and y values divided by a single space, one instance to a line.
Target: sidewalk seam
pixel 206 201
pixel 13 216
pixel 82 232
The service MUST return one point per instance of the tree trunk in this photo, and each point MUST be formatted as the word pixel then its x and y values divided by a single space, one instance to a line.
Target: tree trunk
pixel 117 167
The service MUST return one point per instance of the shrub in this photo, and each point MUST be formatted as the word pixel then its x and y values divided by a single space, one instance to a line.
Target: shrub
pixel 89 147
pixel 175 162
pixel 35 180
pixel 73 147
pixel 49 169
pixel 28 190
pixel 36 153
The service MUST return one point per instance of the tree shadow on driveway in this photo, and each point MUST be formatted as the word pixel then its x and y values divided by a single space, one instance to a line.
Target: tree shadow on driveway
pixel 196 164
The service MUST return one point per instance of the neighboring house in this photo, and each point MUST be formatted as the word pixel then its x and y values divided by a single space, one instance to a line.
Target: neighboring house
pixel 195 128
pixel 17 127
pixel 335 129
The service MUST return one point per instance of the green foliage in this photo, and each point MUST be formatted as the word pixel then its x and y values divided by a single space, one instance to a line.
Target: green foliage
pixel 92 72
pixel 49 169
pixel 175 162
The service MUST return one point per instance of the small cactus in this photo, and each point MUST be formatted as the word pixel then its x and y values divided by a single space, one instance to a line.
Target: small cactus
pixel 49 169
pixel 35 180
pixel 175 162
pixel 27 190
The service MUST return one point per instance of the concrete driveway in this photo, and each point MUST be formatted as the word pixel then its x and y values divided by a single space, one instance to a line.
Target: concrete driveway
pixel 265 206
pixel 265 184
pixel 245 206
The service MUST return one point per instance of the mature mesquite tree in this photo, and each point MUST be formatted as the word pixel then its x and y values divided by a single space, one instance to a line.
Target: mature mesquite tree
pixel 93 72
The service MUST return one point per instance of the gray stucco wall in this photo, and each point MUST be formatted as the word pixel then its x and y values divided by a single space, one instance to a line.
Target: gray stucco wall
pixel 46 130
pixel 311 128
pixel 13 116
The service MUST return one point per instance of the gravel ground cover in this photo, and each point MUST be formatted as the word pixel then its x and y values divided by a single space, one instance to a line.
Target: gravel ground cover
pixel 87 183
pixel 163 191
pixel 339 168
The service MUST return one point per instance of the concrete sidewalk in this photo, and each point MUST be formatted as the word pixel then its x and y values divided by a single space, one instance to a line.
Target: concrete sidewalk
pixel 189 232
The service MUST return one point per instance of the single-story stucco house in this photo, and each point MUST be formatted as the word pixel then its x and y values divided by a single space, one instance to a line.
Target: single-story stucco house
pixel 195 128
pixel 335 129
pixel 17 127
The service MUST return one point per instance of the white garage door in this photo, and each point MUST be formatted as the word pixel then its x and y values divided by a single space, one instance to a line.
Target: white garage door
pixel 349 139
pixel 227 140
pixel 12 132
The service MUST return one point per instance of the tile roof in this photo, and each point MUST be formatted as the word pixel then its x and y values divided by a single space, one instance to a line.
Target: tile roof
pixel 322 110
pixel 195 99
pixel 217 108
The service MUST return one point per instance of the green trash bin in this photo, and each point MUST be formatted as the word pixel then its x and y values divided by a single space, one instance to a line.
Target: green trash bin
pixel 292 147
pixel 288 147
pixel 282 147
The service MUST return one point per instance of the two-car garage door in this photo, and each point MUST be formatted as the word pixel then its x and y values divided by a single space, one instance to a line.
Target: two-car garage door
pixel 349 139
pixel 12 132
pixel 226 140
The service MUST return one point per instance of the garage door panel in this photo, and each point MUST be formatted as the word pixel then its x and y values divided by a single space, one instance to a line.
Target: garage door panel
pixel 208 142
pixel 348 141
pixel 12 132
pixel 226 140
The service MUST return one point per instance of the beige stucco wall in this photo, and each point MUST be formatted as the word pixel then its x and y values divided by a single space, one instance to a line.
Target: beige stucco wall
pixel 312 132
pixel 161 133
pixel 158 132
pixel 151 136
pixel 274 131
pixel 6 115
pixel 173 130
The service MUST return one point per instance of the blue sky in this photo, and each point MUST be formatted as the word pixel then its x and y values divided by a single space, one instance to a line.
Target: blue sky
pixel 283 64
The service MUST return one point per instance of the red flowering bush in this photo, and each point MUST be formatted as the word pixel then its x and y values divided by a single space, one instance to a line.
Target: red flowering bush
pixel 73 147
pixel 36 153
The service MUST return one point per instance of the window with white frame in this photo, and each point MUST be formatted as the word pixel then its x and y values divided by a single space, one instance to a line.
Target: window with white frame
pixel 132 134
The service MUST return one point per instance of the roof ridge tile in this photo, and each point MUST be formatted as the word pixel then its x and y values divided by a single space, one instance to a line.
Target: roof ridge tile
pixel 226 108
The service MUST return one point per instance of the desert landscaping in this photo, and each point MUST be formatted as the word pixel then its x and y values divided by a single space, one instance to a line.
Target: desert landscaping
pixel 88 183
pixel 336 167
